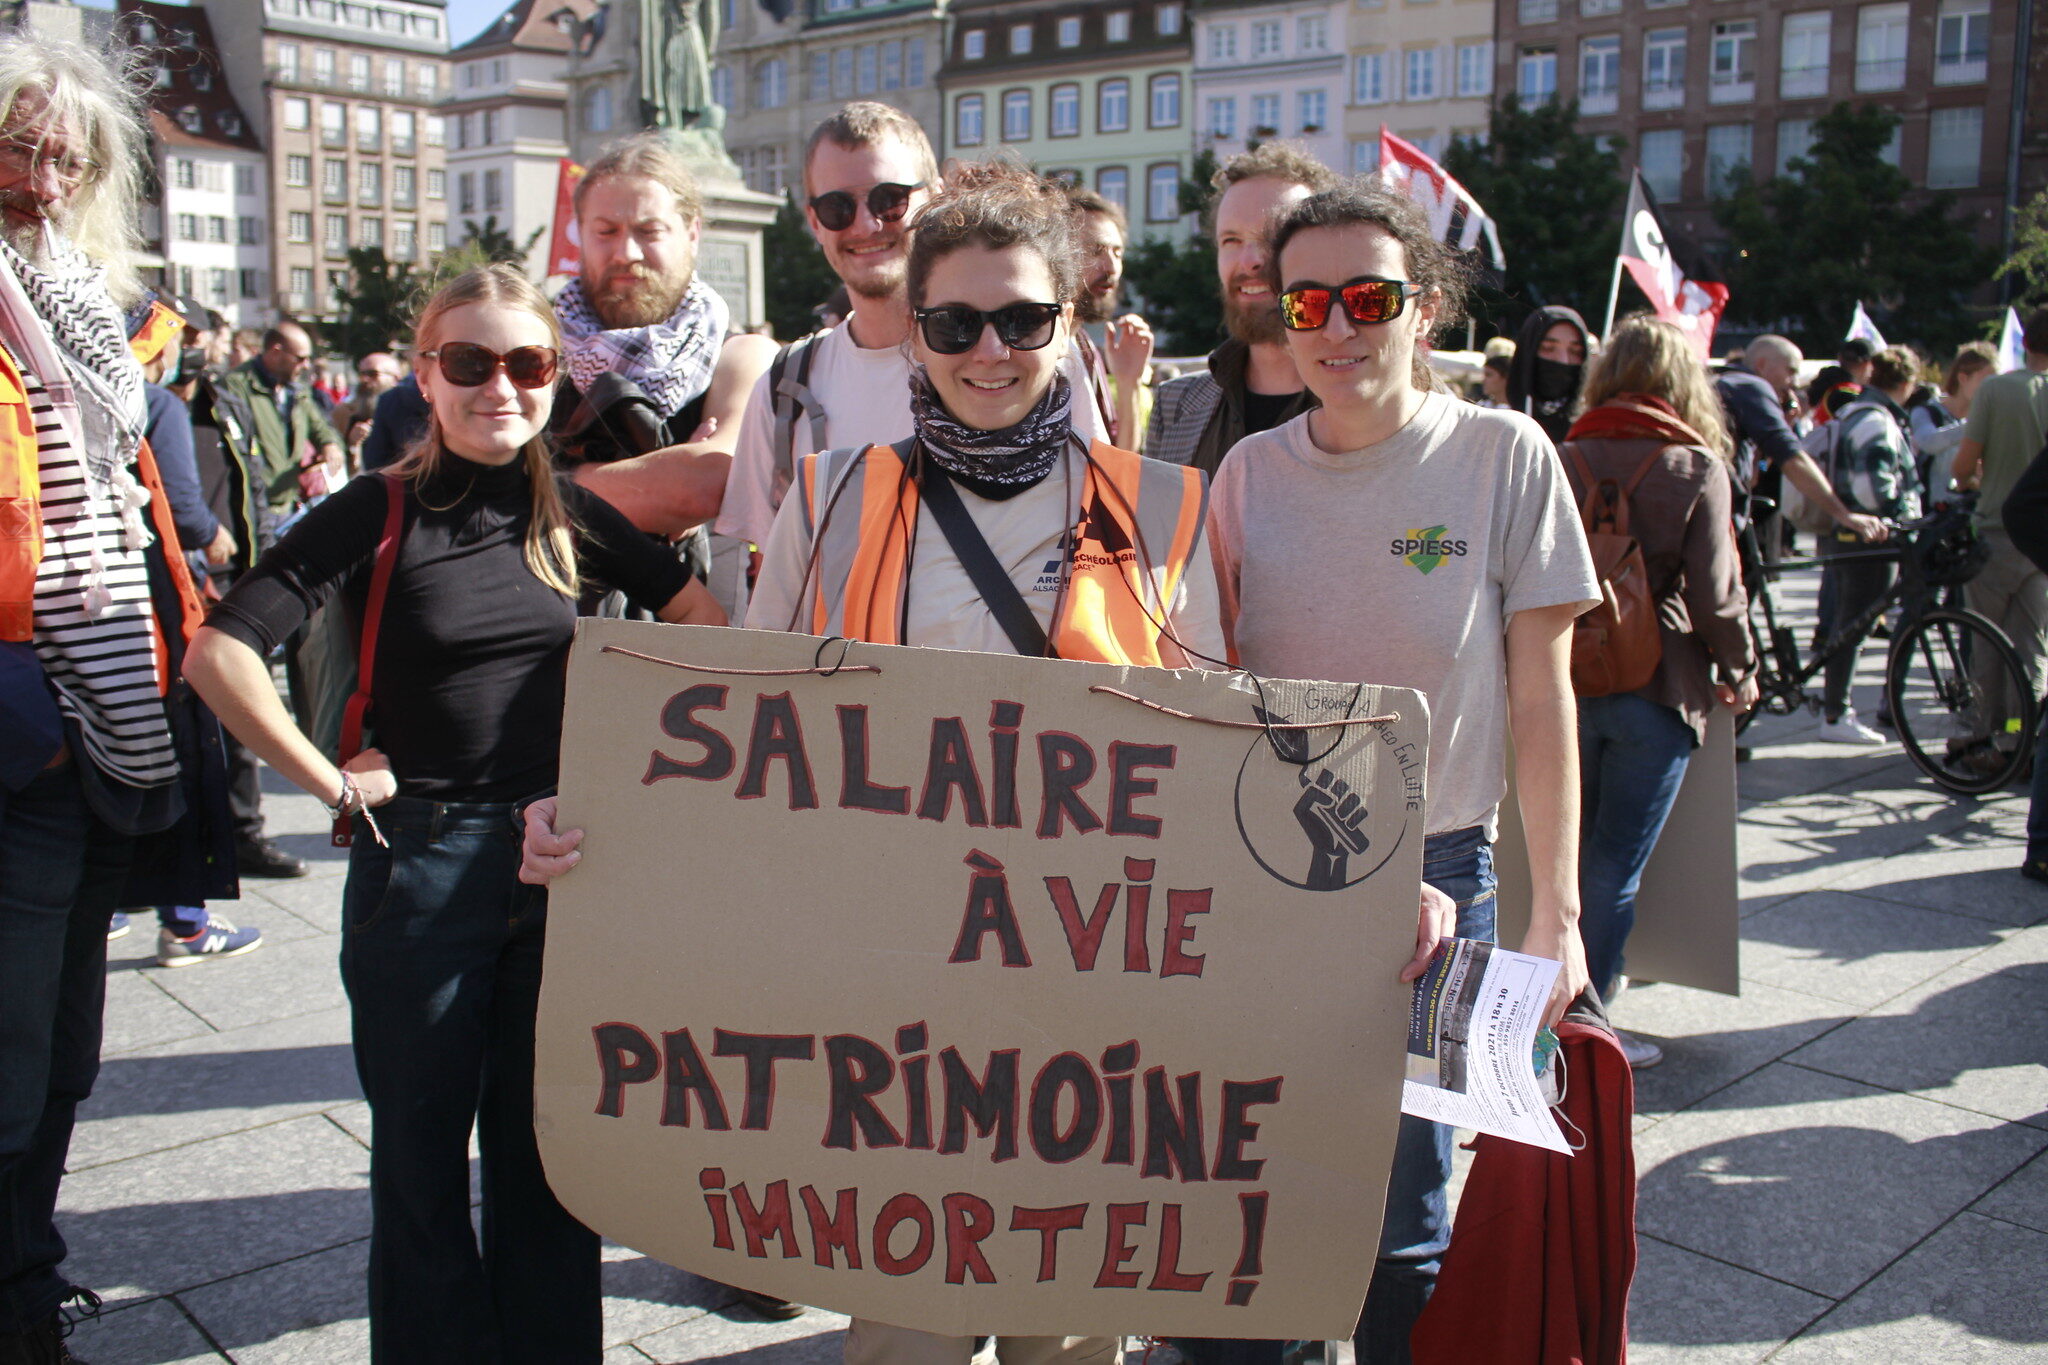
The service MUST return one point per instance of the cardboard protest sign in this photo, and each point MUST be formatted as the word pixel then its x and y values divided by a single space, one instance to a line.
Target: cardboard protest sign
pixel 975 993
pixel 1688 928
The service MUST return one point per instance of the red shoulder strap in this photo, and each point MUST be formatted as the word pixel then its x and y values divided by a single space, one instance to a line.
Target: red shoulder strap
pixel 366 652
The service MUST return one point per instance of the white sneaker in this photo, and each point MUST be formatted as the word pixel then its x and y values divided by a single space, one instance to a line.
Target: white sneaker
pixel 1849 730
pixel 1641 1052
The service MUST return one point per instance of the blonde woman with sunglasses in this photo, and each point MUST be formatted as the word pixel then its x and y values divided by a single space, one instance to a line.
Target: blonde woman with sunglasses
pixel 441 947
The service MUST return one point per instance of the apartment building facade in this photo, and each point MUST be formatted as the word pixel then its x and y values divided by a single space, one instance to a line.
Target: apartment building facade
pixel 1425 69
pixel 208 222
pixel 1264 71
pixel 506 116
pixel 1098 93
pixel 347 97
pixel 1704 95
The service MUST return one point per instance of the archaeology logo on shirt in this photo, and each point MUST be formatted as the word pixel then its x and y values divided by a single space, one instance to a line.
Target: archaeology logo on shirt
pixel 1425 547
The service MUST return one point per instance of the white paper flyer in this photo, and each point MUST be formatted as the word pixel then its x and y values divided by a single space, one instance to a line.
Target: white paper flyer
pixel 1471 1039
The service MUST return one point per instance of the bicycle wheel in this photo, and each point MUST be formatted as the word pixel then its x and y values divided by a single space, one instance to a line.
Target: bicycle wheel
pixel 1943 679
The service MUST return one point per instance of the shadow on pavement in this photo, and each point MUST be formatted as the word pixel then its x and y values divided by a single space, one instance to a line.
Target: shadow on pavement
pixel 255 1079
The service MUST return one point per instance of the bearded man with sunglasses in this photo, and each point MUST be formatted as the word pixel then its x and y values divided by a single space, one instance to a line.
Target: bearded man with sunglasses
pixel 868 171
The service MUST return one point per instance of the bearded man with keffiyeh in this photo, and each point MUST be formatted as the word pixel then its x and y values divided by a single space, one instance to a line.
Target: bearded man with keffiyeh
pixel 654 378
pixel 100 746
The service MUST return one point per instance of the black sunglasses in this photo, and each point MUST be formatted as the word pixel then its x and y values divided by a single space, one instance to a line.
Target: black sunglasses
pixel 468 365
pixel 1365 301
pixel 953 328
pixel 887 201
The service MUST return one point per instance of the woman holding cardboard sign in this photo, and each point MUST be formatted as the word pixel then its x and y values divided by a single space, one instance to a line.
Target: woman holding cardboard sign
pixel 994 528
pixel 464 558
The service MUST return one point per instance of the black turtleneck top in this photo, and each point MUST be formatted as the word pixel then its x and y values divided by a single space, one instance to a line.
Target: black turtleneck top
pixel 472 649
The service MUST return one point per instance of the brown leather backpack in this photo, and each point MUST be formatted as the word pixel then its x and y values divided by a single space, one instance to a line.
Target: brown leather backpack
pixel 1616 646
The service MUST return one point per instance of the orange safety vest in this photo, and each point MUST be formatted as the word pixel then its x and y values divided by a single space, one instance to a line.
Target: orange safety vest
pixel 21 515
pixel 1140 521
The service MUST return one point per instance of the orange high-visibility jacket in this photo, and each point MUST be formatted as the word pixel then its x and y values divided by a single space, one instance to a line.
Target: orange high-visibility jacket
pixel 21 518
pixel 1140 522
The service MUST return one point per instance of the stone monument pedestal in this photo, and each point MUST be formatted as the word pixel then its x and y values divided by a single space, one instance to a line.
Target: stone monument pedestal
pixel 729 258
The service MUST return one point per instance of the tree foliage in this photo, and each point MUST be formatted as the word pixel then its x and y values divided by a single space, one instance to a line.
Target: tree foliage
pixel 1556 196
pixel 1837 229
pixel 2028 264
pixel 487 243
pixel 1177 279
pixel 798 277
pixel 376 309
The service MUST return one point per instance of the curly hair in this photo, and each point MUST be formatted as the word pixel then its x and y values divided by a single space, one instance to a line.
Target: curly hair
pixel 997 203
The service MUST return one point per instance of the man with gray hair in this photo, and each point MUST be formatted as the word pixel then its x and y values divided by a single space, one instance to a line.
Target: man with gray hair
pixel 91 780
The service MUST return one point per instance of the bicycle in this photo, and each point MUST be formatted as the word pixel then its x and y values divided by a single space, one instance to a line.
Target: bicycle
pixel 1944 665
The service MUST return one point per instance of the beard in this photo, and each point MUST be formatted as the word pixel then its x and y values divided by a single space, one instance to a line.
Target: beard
pixel 1252 321
pixel 637 300
pixel 25 229
pixel 1097 304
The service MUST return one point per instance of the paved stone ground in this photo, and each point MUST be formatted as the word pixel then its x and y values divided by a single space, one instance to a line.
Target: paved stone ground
pixel 1845 1164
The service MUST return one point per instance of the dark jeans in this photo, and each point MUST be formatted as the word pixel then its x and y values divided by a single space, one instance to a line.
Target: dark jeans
pixel 441 956
pixel 1858 582
pixel 1632 757
pixel 2037 806
pixel 53 974
pixel 1416 1228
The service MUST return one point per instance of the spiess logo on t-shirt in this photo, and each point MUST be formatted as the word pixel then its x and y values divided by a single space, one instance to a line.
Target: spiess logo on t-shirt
pixel 1425 547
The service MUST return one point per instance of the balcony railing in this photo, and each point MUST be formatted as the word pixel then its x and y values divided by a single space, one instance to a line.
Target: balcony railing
pixel 1960 70
pixel 369 199
pixel 1600 100
pixel 1663 94
pixel 1731 90
pixel 1537 11
pixel 1886 75
pixel 334 139
pixel 1802 82
pixel 402 146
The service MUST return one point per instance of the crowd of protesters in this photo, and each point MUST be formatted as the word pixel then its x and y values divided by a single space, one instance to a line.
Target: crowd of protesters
pixel 624 448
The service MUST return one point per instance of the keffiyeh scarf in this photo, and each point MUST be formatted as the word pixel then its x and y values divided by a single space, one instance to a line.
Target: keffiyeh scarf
pixel 995 464
pixel 672 361
pixel 70 299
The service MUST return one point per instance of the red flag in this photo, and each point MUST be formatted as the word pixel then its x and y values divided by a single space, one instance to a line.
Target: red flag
pixel 565 252
pixel 1693 306
pixel 1454 215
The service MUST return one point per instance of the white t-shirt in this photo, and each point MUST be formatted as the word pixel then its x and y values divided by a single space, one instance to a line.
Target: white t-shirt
pixel 1400 564
pixel 866 397
pixel 1025 532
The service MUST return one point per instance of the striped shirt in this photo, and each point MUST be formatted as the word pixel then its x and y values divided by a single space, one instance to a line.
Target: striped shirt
pixel 103 669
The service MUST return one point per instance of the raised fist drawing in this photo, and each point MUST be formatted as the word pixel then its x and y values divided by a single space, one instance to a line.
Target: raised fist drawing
pixel 1331 814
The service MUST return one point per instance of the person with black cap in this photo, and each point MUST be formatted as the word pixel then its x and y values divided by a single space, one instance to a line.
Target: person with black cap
pixel 1550 363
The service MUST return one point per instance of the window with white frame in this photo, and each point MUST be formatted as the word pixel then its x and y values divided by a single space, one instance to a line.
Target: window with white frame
pixel 1536 11
pixel 465 192
pixel 245 180
pixel 1663 68
pixel 300 298
pixel 1265 39
pixel 1164 102
pixel 818 76
pixel 405 240
pixel 892 64
pixel 1660 155
pixel 913 63
pixel 494 191
pixel 1223 118
pixel 1593 9
pixel 1020 39
pixel 1420 79
pixel 1881 47
pixel 967 121
pixel 1600 74
pixel 298 114
pixel 437 131
pixel 394 78
pixel 370 231
pixel 1311 110
pixel 437 238
pixel 333 125
pixel 184 173
pixel 1266 115
pixel 370 128
pixel 1312 33
pixel 187 227
pixel 1113 106
pixel 1114 184
pixel 1365 156
pixel 1069 31
pixel 1795 141
pixel 1728 157
pixel 298 227
pixel 359 71
pixel 298 170
pixel 404 186
pixel 1962 47
pixel 334 180
pixel 427 80
pixel 288 61
pixel 334 237
pixel 973 45
pixel 323 66
pixel 1064 111
pixel 369 184
pixel 217 228
pixel 1731 66
pixel 1223 42
pixel 1162 193
pixel 252 284
pixel 1536 75
pixel 1116 26
pixel 1369 78
pixel 1016 115
pixel 437 184
pixel 1166 21
pixel 404 131
pixel 219 282
pixel 1803 55
pixel 1475 69
pixel 1955 145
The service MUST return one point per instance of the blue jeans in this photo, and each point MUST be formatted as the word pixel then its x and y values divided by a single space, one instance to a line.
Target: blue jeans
pixel 441 956
pixel 53 988
pixel 1632 757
